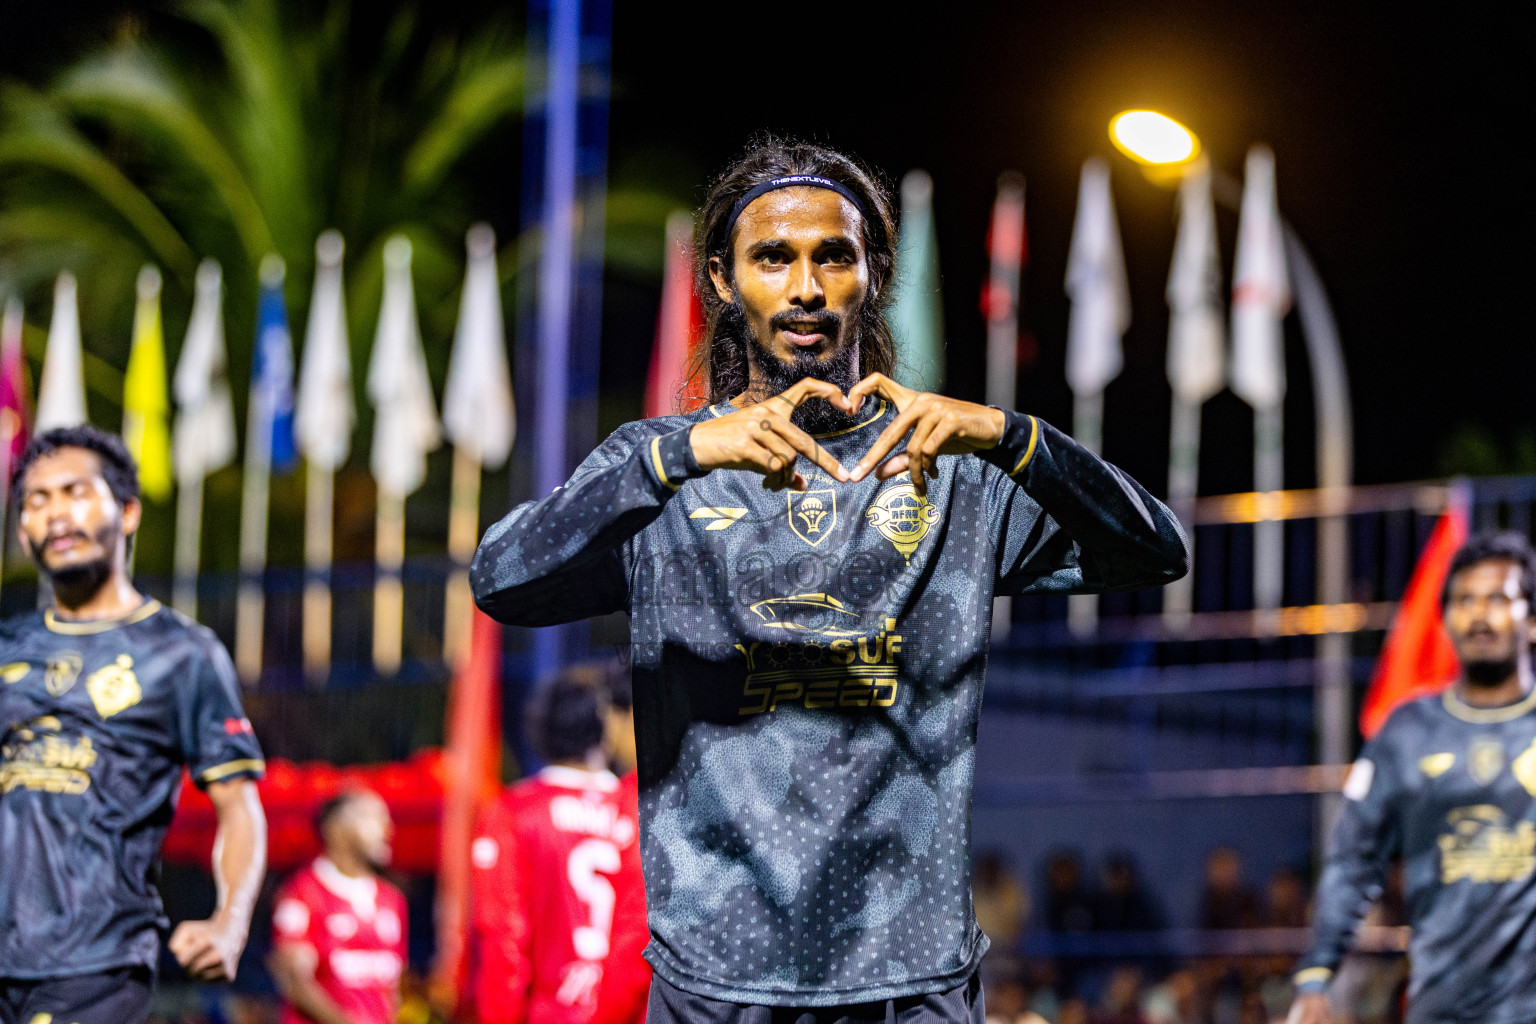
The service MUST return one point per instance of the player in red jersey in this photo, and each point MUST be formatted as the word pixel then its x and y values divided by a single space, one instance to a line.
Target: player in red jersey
pixel 626 983
pixel 550 860
pixel 338 929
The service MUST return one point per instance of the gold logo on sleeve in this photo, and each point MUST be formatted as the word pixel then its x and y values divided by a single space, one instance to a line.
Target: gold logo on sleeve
pixel 62 671
pixel 813 514
pixel 114 688
pixel 15 672
pixel 1485 759
pixel 1436 765
pixel 902 517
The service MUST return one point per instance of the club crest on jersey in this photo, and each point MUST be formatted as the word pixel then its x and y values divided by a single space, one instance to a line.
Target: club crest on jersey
pixel 1485 759
pixel 62 671
pixel 813 514
pixel 902 517
pixel 114 688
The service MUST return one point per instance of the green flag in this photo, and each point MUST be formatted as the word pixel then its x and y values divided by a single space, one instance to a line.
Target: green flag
pixel 917 314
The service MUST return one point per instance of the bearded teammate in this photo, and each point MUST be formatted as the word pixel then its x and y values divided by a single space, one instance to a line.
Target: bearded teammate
pixel 550 861
pixel 104 697
pixel 809 565
pixel 338 925
pixel 1448 786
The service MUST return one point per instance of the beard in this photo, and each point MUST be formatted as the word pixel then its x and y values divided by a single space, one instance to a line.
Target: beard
pixel 75 583
pixel 1489 672
pixel 840 368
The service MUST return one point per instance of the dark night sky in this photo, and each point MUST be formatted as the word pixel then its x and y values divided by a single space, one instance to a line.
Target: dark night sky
pixel 1395 133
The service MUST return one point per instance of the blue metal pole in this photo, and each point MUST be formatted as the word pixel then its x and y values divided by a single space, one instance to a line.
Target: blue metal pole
pixel 556 276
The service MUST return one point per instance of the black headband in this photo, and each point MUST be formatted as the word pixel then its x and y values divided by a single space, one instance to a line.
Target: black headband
pixel 791 181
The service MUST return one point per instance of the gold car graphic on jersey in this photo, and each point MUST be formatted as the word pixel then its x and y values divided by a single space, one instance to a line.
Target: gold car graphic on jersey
pixel 36 756
pixel 1480 846
pixel 825 665
pixel 821 614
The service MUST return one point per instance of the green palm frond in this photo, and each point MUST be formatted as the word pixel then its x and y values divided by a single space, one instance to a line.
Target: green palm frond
pixel 133 94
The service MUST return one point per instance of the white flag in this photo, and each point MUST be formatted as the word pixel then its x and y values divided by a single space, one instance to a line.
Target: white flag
pixel 325 414
pixel 61 395
pixel 405 426
pixel 478 415
pixel 205 416
pixel 1261 290
pixel 1101 301
pixel 1196 332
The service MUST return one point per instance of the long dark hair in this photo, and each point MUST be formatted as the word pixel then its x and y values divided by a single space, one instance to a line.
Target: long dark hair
pixel 723 361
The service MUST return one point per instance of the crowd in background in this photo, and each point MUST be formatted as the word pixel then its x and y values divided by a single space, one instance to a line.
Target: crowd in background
pixel 1093 944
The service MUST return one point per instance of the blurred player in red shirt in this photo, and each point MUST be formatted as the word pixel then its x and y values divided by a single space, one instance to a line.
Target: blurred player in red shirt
pixel 338 927
pixel 626 983
pixel 551 860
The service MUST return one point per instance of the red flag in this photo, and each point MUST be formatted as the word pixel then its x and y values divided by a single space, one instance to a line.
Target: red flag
pixel 1418 659
pixel 679 326
pixel 14 412
pixel 473 777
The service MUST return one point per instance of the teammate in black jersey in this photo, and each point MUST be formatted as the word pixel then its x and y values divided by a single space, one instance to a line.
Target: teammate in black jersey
pixel 810 603
pixel 104 697
pixel 1448 786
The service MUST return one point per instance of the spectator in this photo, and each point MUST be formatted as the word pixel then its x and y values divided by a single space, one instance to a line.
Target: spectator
pixel 1227 902
pixel 1286 906
pixel 1002 903
pixel 1068 906
pixel 1122 903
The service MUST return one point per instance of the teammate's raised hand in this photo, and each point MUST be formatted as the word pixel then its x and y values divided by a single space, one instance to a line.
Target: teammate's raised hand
pixel 761 437
pixel 939 426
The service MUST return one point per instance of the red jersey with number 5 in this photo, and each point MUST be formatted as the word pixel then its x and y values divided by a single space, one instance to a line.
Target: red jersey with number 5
pixel 551 859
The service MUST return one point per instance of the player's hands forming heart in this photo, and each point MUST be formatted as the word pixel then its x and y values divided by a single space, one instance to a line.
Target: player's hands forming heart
pixel 762 438
pixel 939 426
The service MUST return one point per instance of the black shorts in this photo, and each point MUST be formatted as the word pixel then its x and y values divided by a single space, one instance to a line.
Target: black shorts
pixel 960 1005
pixel 119 996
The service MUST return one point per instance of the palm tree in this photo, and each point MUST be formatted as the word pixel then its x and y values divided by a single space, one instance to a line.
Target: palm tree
pixel 245 129
pixel 235 128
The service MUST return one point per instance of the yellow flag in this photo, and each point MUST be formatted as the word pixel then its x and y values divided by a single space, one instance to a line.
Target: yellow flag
pixel 146 404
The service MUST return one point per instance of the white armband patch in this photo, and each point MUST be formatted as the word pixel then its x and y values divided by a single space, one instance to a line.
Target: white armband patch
pixel 1358 783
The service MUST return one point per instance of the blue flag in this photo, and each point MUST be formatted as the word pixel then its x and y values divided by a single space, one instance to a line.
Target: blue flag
pixel 272 374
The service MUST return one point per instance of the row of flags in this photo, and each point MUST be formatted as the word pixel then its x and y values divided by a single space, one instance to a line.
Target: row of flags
pixel 309 414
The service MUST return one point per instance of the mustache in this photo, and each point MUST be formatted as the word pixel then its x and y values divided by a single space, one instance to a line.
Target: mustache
pixel 822 321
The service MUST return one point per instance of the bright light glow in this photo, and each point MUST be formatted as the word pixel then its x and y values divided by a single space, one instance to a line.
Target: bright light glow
pixel 1153 138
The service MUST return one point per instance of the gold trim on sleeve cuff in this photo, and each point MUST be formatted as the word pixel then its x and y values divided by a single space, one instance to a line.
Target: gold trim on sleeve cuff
pixel 228 768
pixel 661 474
pixel 1029 452
pixel 1312 974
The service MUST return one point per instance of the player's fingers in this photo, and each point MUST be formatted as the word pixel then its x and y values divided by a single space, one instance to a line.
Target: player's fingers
pixel 880 384
pixel 883 445
pixel 921 460
pixel 810 387
pixel 778 461
pixel 893 466
pixel 806 445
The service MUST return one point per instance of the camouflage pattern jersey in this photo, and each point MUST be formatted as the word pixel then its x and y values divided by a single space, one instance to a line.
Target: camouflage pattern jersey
pixel 808 671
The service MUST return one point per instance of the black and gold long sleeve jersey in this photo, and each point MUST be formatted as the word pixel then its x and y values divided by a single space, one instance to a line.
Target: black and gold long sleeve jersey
pixel 97 720
pixel 808 670
pixel 1451 789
